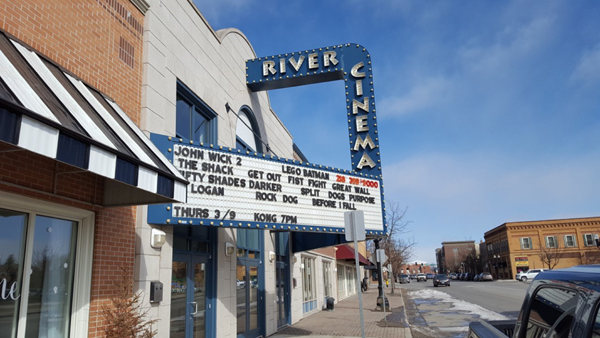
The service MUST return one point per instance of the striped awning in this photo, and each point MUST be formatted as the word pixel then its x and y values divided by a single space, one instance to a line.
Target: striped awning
pixel 50 112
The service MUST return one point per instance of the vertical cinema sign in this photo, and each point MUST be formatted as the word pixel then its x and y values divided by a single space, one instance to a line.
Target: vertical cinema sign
pixel 349 62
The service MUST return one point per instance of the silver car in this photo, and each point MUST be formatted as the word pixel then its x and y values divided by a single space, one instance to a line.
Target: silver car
pixel 485 276
pixel 529 274
pixel 404 279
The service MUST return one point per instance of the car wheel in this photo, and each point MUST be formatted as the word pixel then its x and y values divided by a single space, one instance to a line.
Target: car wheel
pixel 523 279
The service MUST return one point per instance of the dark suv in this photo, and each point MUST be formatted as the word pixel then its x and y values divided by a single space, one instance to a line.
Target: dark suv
pixel 559 303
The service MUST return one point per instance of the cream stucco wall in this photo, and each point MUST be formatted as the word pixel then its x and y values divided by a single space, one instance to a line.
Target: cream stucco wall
pixel 180 45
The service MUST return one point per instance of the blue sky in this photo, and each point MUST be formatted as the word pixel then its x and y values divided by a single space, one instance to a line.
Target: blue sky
pixel 489 111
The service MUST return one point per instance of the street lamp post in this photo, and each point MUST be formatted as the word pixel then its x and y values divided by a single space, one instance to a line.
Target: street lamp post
pixel 496 258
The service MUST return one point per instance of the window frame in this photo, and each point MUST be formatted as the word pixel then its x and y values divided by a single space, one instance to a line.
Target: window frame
pixel 327 287
pixel 201 107
pixel 82 278
pixel 253 128
pixel 555 245
pixel 530 243
pixel 574 241
pixel 309 274
pixel 522 322
pixel 585 241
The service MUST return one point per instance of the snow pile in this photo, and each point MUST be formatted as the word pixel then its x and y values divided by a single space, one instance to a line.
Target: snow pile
pixel 457 304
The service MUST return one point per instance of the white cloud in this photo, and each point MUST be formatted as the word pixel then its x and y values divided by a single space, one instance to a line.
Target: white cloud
pixel 485 185
pixel 424 94
pixel 512 44
pixel 588 69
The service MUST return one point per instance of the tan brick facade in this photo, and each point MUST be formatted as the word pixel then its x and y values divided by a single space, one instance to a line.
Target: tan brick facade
pixel 518 246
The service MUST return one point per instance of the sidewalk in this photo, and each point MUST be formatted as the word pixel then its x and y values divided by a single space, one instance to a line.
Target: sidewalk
pixel 344 321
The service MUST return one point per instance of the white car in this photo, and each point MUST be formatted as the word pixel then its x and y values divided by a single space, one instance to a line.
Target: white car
pixel 421 277
pixel 529 274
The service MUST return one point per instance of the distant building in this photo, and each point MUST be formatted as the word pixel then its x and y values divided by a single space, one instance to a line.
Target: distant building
pixel 453 256
pixel 415 268
pixel 515 246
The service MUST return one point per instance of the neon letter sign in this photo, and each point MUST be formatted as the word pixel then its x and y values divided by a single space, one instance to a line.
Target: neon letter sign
pixel 349 62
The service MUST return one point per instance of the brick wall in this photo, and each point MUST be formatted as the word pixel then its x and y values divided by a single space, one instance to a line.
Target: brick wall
pixel 114 243
pixel 101 42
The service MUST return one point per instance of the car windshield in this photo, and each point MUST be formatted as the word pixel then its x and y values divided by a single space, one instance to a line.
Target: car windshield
pixel 440 276
pixel 403 276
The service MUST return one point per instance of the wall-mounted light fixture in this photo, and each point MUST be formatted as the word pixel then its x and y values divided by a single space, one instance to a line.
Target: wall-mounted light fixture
pixel 158 238
pixel 271 256
pixel 229 249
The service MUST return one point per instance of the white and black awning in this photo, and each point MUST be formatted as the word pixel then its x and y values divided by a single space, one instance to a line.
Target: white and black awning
pixel 48 111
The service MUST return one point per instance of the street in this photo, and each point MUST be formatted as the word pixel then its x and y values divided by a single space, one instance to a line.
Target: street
pixel 447 311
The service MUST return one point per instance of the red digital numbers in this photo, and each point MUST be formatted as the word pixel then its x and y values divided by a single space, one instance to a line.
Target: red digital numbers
pixel 357 181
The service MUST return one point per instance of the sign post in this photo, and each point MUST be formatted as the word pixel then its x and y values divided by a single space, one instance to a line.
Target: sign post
pixel 381 259
pixel 355 230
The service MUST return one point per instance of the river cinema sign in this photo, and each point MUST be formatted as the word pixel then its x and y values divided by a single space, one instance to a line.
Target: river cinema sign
pixel 349 62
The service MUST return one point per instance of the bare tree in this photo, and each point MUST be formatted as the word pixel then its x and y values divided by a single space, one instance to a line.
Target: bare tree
pixel 398 245
pixel 550 256
pixel 124 317
pixel 589 257
pixel 472 260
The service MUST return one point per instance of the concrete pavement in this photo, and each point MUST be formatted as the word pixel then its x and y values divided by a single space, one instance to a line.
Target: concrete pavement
pixel 344 320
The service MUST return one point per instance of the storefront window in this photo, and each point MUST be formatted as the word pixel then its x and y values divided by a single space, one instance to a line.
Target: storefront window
pixel 341 285
pixel 12 245
pixel 51 282
pixel 50 278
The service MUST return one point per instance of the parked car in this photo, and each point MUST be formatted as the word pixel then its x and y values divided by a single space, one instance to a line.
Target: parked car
pixel 429 276
pixel 529 274
pixel 476 277
pixel 441 280
pixel 404 279
pixel 486 276
pixel 452 275
pixel 413 276
pixel 559 303
pixel 421 277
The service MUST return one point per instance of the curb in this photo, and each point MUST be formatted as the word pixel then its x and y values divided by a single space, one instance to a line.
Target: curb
pixel 407 330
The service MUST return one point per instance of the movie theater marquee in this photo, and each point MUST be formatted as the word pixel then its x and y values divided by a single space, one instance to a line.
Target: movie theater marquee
pixel 233 189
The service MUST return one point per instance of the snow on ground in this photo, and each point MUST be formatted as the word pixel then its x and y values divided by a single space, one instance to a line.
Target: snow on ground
pixel 457 304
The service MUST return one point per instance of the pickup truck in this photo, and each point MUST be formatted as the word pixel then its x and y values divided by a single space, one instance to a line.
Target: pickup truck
pixel 558 303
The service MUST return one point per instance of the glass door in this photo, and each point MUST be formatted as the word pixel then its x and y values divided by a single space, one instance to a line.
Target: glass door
pixel 282 290
pixel 248 298
pixel 188 296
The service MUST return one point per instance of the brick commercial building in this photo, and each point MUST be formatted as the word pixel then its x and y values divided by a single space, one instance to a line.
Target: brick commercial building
pixel 453 256
pixel 72 161
pixel 548 244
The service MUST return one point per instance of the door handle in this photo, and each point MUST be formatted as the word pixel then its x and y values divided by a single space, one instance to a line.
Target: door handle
pixel 195 305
